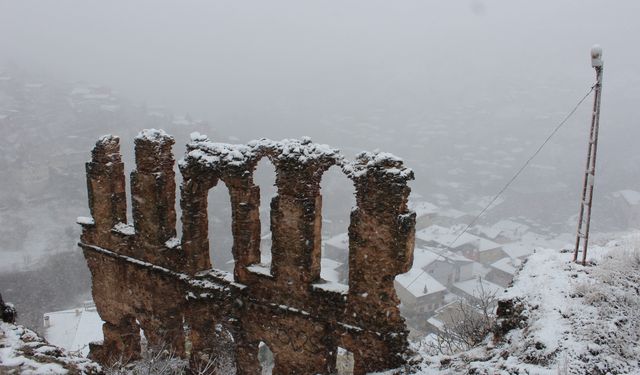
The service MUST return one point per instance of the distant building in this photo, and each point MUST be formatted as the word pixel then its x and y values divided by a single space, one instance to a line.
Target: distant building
pixel 336 247
pixel 449 315
pixel 503 270
pixel 471 246
pixel 420 293
pixel 74 329
pixel 503 231
pixel 426 213
pixel 333 271
pixel 423 289
pixel 476 289
pixel 518 250
pixel 445 266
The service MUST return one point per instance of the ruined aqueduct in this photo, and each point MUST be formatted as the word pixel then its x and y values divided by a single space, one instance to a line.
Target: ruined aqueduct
pixel 145 276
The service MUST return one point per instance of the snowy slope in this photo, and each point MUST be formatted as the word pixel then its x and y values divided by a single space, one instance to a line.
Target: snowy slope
pixel 573 319
pixel 24 352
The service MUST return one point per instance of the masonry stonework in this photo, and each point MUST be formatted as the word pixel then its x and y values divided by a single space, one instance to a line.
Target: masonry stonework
pixel 146 277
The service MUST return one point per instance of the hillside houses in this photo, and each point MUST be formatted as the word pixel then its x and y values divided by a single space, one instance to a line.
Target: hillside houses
pixel 424 289
pixel 448 265
pixel 504 231
pixel 471 246
pixel 445 266
pixel 336 247
pixel 419 292
pixel 476 289
pixel 426 213
pixel 503 270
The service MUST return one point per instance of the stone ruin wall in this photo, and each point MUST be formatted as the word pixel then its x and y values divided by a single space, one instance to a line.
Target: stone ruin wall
pixel 146 277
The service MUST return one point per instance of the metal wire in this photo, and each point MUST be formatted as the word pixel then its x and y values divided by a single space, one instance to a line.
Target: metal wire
pixel 515 176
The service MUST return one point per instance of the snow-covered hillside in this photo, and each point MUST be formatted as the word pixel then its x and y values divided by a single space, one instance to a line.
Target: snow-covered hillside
pixel 565 318
pixel 22 351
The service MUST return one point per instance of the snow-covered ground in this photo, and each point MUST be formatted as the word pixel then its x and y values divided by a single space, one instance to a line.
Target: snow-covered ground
pixel 575 319
pixel 24 352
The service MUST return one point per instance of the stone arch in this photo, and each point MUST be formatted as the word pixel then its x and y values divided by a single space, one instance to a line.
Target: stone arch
pixel 265 178
pixel 245 217
pixel 220 222
pixel 336 217
pixel 296 215
pixel 195 222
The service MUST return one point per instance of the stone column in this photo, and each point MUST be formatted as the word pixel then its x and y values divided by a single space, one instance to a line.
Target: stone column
pixel 381 240
pixel 153 189
pixel 195 220
pixel 106 184
pixel 245 226
pixel 296 217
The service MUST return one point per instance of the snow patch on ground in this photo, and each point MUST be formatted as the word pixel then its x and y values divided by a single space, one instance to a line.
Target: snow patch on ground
pixel 575 320
pixel 24 352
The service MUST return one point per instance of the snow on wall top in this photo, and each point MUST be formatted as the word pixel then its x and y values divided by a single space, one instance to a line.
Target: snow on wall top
pixel 154 135
pixel 378 161
pixel 107 148
pixel 215 154
pixel 219 155
pixel 107 139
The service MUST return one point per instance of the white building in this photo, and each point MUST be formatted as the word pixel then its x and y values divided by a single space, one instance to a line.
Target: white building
pixel 74 329
pixel 476 289
pixel 471 246
pixel 503 231
pixel 426 213
pixel 503 270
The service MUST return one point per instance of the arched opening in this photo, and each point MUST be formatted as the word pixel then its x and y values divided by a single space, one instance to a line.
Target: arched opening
pixel 220 234
pixel 265 177
pixel 265 356
pixel 344 362
pixel 338 200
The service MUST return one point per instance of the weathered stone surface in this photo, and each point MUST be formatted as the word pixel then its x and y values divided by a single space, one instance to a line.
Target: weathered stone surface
pixel 145 277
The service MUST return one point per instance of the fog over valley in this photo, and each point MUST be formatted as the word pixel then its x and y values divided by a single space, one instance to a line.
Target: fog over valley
pixel 465 92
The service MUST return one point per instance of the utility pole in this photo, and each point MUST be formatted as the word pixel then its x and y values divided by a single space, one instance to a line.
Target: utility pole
pixel 584 218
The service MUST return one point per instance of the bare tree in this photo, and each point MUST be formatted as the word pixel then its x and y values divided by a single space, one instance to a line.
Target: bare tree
pixel 466 323
pixel 154 361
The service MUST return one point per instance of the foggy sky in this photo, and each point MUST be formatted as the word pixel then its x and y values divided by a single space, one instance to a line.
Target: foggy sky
pixel 275 62
pixel 290 68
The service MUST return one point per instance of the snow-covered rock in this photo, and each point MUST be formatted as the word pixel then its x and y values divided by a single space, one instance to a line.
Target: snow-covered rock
pixel 22 351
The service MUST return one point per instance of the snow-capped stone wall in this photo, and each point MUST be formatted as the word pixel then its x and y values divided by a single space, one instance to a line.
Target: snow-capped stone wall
pixel 147 276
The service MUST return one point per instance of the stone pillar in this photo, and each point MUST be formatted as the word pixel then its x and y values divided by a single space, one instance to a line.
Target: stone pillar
pixel 381 241
pixel 296 219
pixel 153 188
pixel 106 184
pixel 245 213
pixel 195 221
